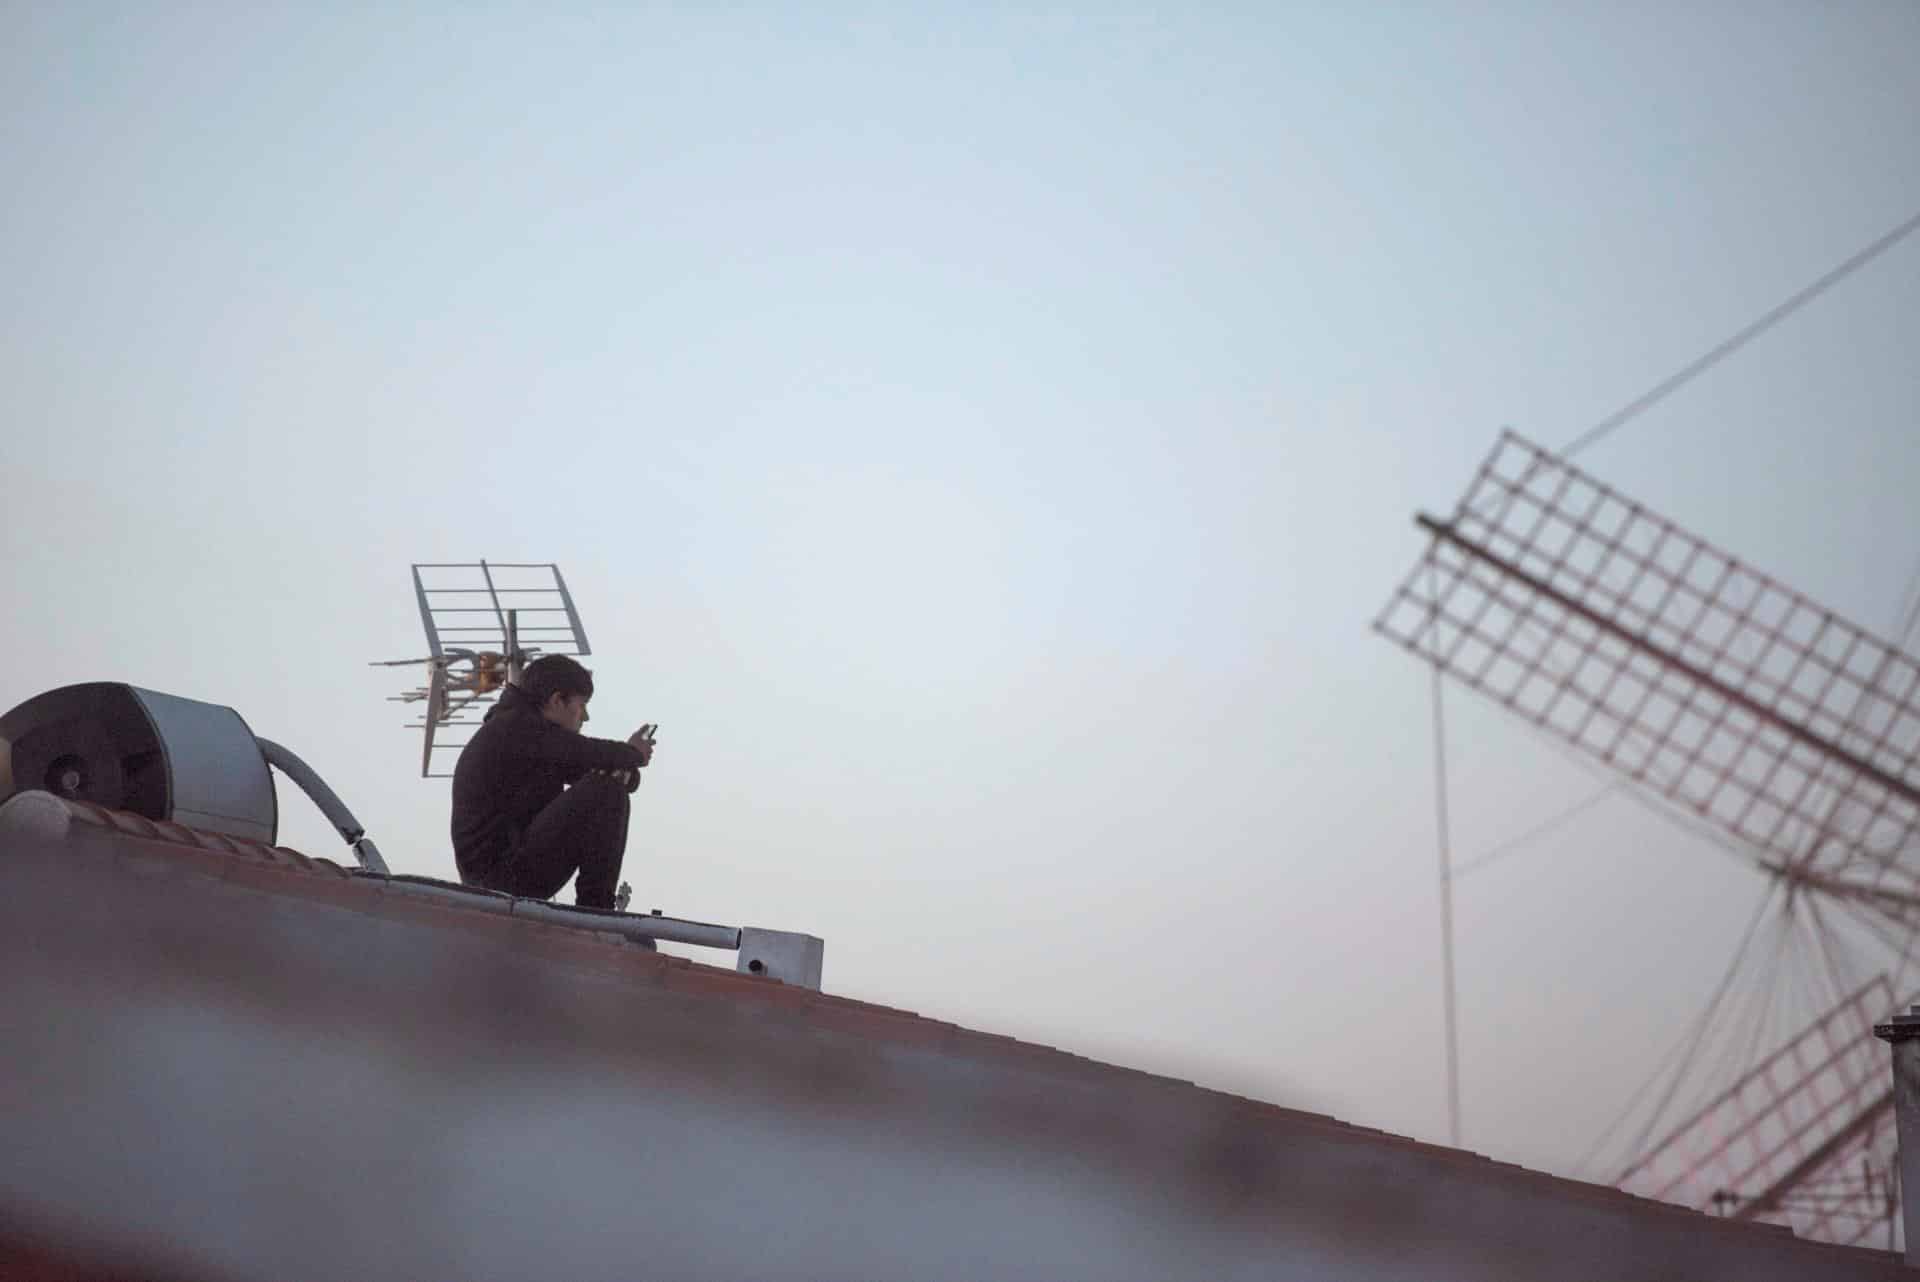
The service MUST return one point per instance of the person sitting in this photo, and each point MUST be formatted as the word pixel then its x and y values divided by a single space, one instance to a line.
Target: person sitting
pixel 535 801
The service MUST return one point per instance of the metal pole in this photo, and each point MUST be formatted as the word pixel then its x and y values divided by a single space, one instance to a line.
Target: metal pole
pixel 1903 1031
pixel 1446 907
pixel 493 596
pixel 1893 1205
pixel 426 613
pixel 573 616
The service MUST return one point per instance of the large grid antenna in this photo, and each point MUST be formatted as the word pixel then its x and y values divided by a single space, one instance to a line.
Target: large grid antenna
pixel 1727 695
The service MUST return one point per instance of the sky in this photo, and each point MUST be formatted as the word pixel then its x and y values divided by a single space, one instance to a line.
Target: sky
pixel 980 438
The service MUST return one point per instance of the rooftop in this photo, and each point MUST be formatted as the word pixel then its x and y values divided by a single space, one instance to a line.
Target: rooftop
pixel 231 1060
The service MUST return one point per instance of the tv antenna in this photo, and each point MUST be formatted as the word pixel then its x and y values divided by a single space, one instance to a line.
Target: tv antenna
pixel 483 620
pixel 1742 708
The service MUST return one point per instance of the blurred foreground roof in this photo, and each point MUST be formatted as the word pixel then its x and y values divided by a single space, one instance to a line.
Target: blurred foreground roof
pixel 229 1061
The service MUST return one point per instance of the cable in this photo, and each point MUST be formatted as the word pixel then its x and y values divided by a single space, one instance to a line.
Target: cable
pixel 1733 1069
pixel 1585 1164
pixel 1831 948
pixel 1705 1020
pixel 1690 1041
pixel 1541 829
pixel 1674 382
pixel 1908 617
pixel 328 801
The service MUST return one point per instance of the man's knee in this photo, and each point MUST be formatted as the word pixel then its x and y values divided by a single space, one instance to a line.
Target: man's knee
pixel 603 789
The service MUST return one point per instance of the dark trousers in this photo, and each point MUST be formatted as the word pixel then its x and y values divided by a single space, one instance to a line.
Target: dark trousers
pixel 584 831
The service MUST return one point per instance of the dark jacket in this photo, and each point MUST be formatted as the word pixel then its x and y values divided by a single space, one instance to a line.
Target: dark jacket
pixel 517 762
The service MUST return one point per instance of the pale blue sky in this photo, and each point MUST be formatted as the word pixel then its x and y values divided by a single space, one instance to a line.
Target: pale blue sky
pixel 980 438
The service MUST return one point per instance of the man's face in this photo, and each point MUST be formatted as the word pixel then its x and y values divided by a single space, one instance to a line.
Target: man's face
pixel 568 711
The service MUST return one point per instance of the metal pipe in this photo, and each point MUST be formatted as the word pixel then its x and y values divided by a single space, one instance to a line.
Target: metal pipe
pixel 627 925
pixel 631 925
pixel 327 800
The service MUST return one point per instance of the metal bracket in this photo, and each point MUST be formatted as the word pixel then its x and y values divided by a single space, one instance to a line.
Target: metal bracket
pixel 785 955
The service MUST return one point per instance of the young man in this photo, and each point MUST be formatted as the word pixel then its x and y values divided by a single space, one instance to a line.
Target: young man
pixel 535 801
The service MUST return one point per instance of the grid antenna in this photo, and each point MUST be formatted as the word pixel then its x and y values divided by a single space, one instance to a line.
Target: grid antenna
pixel 1739 701
pixel 483 620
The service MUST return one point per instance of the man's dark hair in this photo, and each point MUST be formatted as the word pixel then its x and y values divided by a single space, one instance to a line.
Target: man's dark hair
pixel 555 674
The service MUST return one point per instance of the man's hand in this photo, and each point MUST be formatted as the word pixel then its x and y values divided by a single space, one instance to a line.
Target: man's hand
pixel 642 741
